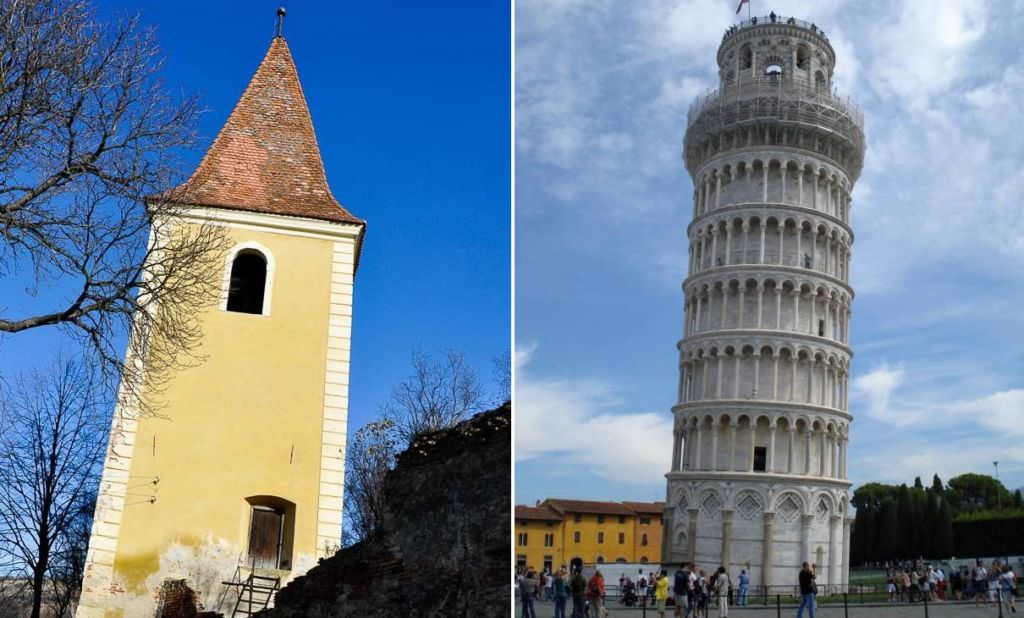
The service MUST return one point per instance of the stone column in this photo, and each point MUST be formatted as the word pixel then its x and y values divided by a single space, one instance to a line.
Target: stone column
pixel 796 309
pixel 718 189
pixel 761 249
pixel 714 246
pixel 696 451
pixel 792 443
pixel 667 536
pixel 757 374
pixel 760 304
pixel 692 536
pixel 770 464
pixel 778 307
pixel 775 379
pixel 732 445
pixel 743 305
pixel 726 538
pixel 805 537
pixel 845 576
pixel 725 305
pixel 764 193
pixel 718 376
pixel 766 550
pixel 677 445
pixel 807 451
pixel 714 444
pixel 745 227
pixel 782 246
pixel 736 376
pixel 833 551
pixel 728 244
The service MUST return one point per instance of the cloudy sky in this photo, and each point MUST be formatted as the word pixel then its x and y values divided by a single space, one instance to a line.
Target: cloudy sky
pixel 602 201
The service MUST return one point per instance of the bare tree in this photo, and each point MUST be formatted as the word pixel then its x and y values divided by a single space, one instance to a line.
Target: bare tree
pixel 52 437
pixel 88 136
pixel 440 393
pixel 369 457
pixel 501 371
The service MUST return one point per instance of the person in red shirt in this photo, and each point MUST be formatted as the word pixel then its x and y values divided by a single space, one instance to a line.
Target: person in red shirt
pixel 595 594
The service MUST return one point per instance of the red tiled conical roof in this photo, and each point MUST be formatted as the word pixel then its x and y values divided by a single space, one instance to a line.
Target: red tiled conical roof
pixel 265 158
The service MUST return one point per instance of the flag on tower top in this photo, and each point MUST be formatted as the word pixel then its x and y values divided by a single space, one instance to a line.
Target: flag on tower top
pixel 740 5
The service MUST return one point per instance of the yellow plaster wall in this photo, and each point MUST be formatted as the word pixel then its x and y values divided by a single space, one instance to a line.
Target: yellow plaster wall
pixel 232 423
pixel 588 549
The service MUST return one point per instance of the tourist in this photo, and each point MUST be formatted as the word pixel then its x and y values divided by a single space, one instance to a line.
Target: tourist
pixel 1008 590
pixel 560 589
pixel 701 595
pixel 681 592
pixel 595 594
pixel 543 589
pixel 980 582
pixel 941 576
pixel 661 592
pixel 890 587
pixel 808 590
pixel 528 591
pixel 722 588
pixel 744 588
pixel 993 582
pixel 578 589
pixel 641 583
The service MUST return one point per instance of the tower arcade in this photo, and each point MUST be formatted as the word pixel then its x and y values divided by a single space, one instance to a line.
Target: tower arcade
pixel 758 477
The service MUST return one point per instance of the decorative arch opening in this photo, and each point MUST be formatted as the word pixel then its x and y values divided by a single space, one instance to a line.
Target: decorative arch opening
pixel 746 57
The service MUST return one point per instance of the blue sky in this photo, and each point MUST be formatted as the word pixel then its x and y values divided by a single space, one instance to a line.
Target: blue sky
pixel 411 104
pixel 602 201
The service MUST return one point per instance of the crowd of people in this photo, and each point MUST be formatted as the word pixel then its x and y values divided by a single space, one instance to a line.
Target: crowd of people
pixel 694 591
pixel 992 584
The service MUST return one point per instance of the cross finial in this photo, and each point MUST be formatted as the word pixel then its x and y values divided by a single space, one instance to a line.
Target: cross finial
pixel 280 21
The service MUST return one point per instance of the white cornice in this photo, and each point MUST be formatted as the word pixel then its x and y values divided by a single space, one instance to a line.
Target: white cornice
pixel 296 226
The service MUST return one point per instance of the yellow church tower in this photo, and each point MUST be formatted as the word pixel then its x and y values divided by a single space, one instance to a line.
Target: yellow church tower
pixel 245 463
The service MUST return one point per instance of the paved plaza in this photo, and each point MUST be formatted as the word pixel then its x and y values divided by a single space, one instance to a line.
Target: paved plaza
pixel 916 610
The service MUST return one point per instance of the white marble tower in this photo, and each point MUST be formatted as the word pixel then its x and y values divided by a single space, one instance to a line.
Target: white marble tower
pixel 758 478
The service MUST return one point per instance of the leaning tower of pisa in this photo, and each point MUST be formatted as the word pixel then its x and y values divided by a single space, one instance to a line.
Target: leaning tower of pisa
pixel 758 477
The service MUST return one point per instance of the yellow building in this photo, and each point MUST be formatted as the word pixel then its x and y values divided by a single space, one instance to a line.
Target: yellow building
pixel 245 464
pixel 560 532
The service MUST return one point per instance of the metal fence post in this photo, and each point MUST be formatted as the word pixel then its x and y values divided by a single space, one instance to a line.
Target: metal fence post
pixel 925 597
pixel 846 607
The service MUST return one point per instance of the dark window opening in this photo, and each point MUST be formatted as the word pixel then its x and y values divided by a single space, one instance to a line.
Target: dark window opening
pixel 521 561
pixel 773 70
pixel 821 328
pixel 600 537
pixel 643 559
pixel 600 519
pixel 760 459
pixel 248 280
pixel 577 517
pixel 549 562
pixel 622 519
pixel 622 538
pixel 523 538
pixel 746 58
pixel 549 540
pixel 643 539
pixel 576 536
pixel 645 519
pixel 600 559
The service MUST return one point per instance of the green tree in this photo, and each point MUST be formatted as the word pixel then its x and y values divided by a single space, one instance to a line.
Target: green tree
pixel 917 483
pixel 919 525
pixel 888 530
pixel 937 485
pixel 930 545
pixel 978 492
pixel 863 537
pixel 904 515
pixel 943 533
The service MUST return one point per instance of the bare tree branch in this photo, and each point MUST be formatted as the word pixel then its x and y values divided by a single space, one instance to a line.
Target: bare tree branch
pixel 52 438
pixel 439 394
pixel 88 142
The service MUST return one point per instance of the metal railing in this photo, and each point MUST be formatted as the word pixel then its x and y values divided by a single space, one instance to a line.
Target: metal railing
pixel 775 20
pixel 781 89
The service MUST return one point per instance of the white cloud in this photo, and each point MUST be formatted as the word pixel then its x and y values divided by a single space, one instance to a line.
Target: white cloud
pixel 573 421
pixel 877 387
pixel 923 51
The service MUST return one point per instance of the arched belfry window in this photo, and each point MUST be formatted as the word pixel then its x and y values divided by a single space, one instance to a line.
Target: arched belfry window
pixel 248 280
pixel 746 57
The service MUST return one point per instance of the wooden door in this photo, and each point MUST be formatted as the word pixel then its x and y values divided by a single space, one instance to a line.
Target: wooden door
pixel 265 537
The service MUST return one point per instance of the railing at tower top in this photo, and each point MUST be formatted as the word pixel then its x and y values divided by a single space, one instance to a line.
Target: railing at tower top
pixel 777 20
pixel 779 88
